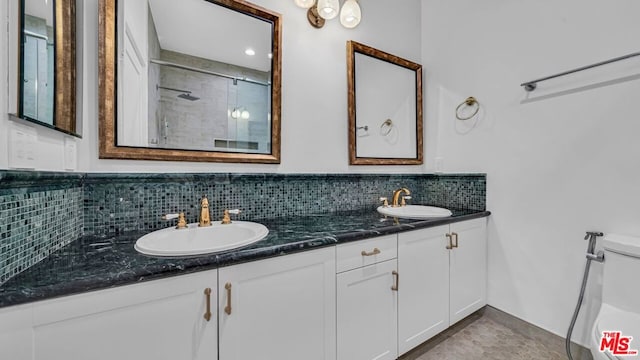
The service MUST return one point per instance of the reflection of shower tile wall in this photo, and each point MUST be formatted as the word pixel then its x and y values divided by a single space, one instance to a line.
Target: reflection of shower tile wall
pixel 195 124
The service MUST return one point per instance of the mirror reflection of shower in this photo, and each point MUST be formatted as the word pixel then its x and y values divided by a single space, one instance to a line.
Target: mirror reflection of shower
pixel 37 75
pixel 180 86
pixel 190 107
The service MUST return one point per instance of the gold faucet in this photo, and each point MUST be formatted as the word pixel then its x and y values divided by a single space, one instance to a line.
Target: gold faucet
pixel 205 219
pixel 225 217
pixel 182 222
pixel 396 196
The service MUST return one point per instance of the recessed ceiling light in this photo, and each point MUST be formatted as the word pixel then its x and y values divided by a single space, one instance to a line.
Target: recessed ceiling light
pixel 250 52
pixel 270 55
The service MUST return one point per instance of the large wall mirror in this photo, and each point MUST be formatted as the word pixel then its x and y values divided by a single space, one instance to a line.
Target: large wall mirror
pixel 47 64
pixel 190 80
pixel 385 108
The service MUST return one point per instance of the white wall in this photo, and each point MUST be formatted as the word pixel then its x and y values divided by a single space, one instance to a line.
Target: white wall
pixel 4 100
pixel 314 91
pixel 557 166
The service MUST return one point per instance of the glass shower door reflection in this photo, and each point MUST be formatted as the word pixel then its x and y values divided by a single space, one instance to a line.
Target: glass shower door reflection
pixel 249 115
pixel 37 78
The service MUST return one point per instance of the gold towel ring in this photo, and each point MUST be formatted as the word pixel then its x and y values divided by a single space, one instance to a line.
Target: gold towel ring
pixel 470 101
pixel 387 123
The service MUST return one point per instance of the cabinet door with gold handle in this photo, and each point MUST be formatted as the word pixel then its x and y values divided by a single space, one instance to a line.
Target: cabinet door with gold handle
pixel 137 311
pixel 367 312
pixel 227 308
pixel 274 300
pixel 468 268
pixel 207 294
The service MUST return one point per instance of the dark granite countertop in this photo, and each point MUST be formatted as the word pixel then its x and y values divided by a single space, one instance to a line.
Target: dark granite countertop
pixel 93 263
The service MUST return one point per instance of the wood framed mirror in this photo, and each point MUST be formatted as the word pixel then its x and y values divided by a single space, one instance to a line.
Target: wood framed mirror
pixel 206 89
pixel 46 92
pixel 385 108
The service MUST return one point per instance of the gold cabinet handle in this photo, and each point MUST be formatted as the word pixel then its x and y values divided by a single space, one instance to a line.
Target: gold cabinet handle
pixel 450 237
pixel 207 294
pixel 227 308
pixel 375 251
pixel 397 280
pixel 456 236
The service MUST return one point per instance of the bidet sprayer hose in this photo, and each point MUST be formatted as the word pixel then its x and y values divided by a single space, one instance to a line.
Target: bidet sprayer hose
pixel 591 236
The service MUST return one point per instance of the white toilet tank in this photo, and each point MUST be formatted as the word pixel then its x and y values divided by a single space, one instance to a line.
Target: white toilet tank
pixel 621 272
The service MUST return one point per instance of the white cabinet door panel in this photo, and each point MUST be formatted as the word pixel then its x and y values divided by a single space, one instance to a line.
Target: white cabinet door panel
pixel 468 269
pixel 423 297
pixel 367 313
pixel 281 308
pixel 16 335
pixel 162 319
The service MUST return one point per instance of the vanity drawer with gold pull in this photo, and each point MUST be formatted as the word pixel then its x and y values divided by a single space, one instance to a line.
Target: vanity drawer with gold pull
pixel 366 252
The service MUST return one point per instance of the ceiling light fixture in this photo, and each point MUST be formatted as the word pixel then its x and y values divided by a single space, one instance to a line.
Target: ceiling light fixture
pixel 321 10
pixel 250 52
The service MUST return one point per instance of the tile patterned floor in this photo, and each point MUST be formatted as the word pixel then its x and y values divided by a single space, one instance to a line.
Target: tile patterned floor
pixel 485 339
pixel 483 336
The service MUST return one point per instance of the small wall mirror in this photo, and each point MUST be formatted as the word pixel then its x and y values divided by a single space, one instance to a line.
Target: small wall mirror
pixel 47 80
pixel 206 89
pixel 385 108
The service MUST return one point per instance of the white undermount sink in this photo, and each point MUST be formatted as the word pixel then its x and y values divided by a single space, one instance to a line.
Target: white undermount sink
pixel 414 212
pixel 195 240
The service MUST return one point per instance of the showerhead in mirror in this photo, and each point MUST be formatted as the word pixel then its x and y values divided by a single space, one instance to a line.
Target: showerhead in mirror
pixel 186 94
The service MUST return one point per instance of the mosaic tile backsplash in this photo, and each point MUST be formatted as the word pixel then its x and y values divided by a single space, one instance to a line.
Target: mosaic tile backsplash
pixel 37 217
pixel 41 212
pixel 116 203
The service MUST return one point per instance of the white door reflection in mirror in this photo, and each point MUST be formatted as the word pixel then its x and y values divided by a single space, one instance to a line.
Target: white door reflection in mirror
pixel 193 75
pixel 132 62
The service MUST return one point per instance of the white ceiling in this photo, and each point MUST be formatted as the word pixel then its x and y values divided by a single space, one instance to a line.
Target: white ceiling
pixel 42 9
pixel 206 30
